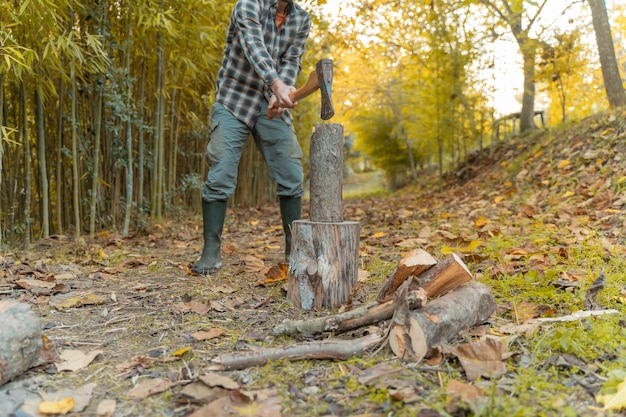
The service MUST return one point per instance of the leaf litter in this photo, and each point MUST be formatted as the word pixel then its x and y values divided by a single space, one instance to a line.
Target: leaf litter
pixel 539 218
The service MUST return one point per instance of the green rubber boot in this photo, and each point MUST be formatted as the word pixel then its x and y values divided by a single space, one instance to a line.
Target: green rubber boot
pixel 213 215
pixel 290 210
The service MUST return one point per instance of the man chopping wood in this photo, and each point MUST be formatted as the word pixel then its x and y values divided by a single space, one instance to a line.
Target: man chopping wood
pixel 262 59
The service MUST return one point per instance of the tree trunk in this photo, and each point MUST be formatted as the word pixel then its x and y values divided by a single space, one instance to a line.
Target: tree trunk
pixel 528 98
pixel 43 167
pixel 27 164
pixel 129 136
pixel 140 145
pixel 1 149
pixel 75 170
pixel 97 128
pixel 157 168
pixel 59 160
pixel 610 68
pixel 20 339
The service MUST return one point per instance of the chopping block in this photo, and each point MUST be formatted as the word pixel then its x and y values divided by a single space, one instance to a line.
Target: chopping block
pixel 324 259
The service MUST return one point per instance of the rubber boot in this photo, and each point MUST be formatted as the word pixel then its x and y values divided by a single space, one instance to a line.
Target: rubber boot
pixel 213 215
pixel 290 210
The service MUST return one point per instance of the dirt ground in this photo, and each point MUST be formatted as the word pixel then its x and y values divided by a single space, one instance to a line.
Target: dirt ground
pixel 135 304
pixel 129 331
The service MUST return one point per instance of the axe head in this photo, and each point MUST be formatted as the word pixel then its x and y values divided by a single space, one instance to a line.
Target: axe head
pixel 324 70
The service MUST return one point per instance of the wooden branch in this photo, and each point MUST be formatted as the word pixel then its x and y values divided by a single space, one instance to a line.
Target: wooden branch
pixel 20 339
pixel 326 349
pixel 359 317
pixel 413 264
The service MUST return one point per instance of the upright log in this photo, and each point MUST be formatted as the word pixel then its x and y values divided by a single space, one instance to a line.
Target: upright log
pixel 20 339
pixel 326 153
pixel 323 265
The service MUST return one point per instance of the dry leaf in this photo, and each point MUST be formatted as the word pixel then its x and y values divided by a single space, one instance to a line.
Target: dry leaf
pixel 195 306
pixel 411 243
pixel 148 387
pixel 63 406
pixel 208 334
pixel 70 300
pixel 74 360
pixel 81 396
pixel 216 380
pixel 262 405
pixel 362 275
pixel 275 274
pixel 253 264
pixel 464 392
pixel 483 358
pixel 106 408
pixel 181 351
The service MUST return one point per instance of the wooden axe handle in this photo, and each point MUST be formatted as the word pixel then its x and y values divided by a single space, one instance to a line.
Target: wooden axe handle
pixel 324 72
pixel 311 86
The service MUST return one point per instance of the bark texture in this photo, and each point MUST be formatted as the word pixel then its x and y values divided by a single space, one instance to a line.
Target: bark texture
pixel 464 307
pixel 326 154
pixel 610 67
pixel 323 265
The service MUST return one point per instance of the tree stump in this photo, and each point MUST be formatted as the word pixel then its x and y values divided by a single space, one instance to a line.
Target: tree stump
pixel 323 265
pixel 20 339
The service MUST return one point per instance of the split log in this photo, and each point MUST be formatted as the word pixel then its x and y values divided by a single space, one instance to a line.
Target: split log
pixel 325 349
pixel 366 315
pixel 466 306
pixel 448 274
pixel 413 264
pixel 20 339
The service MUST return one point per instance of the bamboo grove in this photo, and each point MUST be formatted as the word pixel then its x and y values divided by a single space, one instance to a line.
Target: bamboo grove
pixel 104 104
pixel 98 98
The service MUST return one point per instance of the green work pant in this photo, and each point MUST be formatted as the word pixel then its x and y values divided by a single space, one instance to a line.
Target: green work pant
pixel 276 141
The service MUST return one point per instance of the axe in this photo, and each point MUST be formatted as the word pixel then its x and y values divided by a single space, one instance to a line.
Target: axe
pixel 322 79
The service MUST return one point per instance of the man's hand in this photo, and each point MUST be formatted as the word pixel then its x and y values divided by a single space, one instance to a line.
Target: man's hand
pixel 273 110
pixel 281 93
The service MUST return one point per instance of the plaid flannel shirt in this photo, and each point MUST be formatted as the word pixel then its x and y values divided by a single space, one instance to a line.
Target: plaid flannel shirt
pixel 257 54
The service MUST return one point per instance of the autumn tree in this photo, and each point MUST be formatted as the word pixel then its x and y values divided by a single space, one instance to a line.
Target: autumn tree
pixel 415 60
pixel 558 69
pixel 608 61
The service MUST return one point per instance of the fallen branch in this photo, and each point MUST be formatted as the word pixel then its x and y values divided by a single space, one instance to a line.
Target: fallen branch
pixel 325 349
pixel 359 317
pixel 576 316
pixel 529 326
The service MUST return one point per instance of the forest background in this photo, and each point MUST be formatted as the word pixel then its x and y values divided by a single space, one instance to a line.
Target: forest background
pixel 104 105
